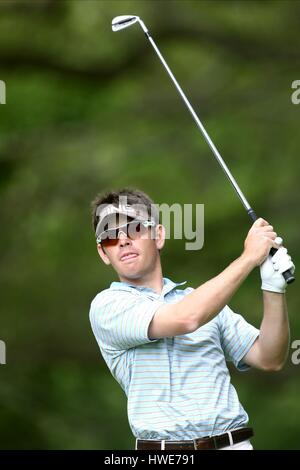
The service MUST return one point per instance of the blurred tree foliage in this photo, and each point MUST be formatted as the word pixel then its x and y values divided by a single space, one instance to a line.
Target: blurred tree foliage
pixel 88 110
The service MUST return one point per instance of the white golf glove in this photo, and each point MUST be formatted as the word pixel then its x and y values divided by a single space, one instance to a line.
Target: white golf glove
pixel 272 268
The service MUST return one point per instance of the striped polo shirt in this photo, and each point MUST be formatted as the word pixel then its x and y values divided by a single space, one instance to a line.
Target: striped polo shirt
pixel 177 387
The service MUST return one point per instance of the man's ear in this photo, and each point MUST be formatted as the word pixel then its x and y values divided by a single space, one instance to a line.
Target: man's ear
pixel 160 236
pixel 102 254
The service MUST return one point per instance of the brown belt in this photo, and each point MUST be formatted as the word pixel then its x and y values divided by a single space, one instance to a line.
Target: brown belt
pixel 202 443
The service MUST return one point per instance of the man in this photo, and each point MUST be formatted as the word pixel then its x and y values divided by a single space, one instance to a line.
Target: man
pixel 168 347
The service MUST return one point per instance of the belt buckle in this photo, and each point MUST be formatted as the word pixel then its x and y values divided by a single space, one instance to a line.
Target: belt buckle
pixel 215 440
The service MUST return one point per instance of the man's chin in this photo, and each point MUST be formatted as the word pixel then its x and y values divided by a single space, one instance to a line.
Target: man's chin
pixel 131 274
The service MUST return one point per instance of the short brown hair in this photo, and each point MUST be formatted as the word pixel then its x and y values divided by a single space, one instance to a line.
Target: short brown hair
pixel 134 196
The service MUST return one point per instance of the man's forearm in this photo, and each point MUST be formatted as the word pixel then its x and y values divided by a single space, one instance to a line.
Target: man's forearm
pixel 201 305
pixel 274 331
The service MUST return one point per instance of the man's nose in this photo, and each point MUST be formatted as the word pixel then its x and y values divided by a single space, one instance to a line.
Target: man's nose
pixel 123 237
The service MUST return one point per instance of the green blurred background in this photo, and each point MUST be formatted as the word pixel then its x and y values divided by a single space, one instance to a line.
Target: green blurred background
pixel 89 110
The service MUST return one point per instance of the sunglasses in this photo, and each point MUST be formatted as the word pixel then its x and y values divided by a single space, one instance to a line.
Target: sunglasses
pixel 132 230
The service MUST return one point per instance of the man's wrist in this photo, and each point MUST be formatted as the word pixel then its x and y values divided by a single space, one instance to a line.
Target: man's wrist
pixel 271 293
pixel 269 288
pixel 247 261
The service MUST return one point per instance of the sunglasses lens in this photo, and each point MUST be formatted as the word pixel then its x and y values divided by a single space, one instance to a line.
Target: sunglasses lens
pixel 110 238
pixel 132 230
pixel 109 241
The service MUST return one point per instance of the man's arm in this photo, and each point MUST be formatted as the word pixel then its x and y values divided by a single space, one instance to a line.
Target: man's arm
pixel 201 305
pixel 205 302
pixel 270 350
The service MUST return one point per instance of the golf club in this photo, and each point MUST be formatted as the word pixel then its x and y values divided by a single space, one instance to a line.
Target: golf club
pixel 122 22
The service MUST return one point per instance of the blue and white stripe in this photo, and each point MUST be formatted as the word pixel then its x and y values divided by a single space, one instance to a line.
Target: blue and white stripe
pixel 177 387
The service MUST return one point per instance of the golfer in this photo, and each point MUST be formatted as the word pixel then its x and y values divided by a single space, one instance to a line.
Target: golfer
pixel 167 344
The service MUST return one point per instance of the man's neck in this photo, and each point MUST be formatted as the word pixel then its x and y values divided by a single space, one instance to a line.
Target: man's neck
pixel 153 280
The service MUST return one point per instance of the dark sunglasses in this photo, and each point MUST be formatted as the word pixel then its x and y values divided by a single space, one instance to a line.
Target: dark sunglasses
pixel 132 230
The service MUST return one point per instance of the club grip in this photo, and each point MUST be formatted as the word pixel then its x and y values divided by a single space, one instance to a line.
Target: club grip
pixel 288 275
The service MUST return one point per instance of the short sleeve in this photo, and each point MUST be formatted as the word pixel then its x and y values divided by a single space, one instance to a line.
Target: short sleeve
pixel 121 321
pixel 237 337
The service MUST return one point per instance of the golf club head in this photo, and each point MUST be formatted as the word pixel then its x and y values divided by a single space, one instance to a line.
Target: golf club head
pixel 121 22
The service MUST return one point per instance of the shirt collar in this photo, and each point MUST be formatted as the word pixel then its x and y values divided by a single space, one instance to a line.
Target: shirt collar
pixel 167 286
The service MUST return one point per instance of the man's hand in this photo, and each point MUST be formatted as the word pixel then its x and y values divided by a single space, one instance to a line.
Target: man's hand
pixel 260 239
pixel 272 268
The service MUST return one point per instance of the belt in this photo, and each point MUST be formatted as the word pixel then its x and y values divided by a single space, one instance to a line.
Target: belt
pixel 203 443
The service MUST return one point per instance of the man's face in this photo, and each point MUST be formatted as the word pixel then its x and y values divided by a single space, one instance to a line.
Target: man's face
pixel 133 257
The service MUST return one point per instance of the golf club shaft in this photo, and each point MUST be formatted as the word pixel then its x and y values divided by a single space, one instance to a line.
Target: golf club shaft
pixel 201 127
pixel 288 276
